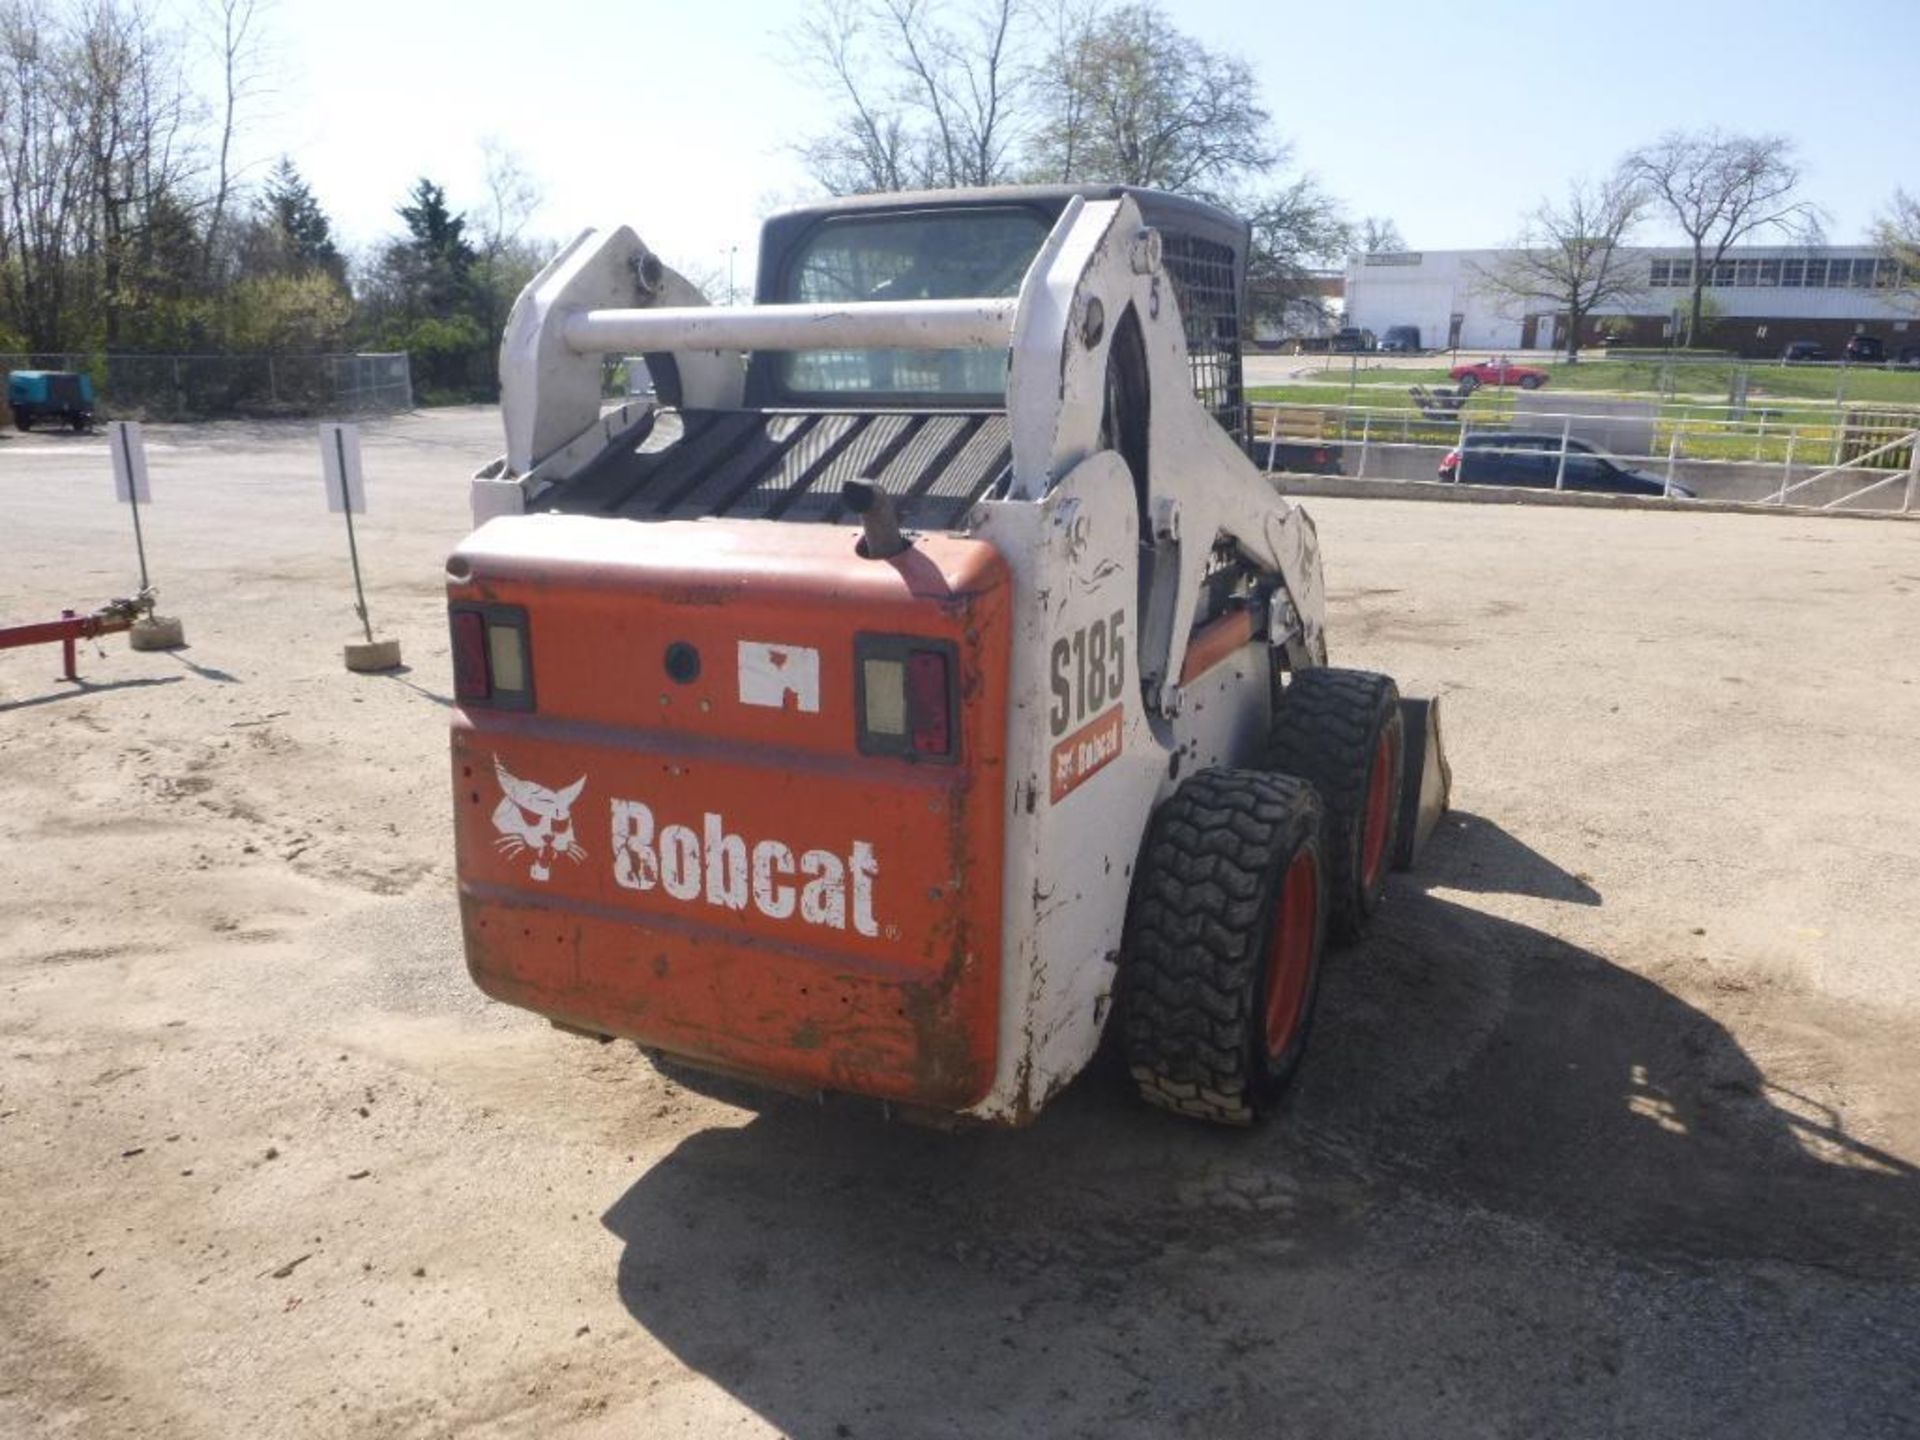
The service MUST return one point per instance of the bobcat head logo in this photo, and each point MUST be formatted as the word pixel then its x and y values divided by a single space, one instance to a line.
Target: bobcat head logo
pixel 533 818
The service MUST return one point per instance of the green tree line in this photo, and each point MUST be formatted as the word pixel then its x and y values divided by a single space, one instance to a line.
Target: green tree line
pixel 124 229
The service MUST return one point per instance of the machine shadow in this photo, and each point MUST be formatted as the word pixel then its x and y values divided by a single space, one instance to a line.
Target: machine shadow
pixel 398 675
pixel 846 1277
pixel 79 689
pixel 1483 859
pixel 205 672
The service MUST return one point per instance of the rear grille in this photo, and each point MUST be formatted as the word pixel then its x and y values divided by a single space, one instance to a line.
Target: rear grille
pixel 790 465
pixel 1204 282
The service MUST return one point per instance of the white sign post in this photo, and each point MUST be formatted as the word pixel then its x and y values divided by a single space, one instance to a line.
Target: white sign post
pixel 347 496
pixel 132 489
pixel 340 454
pixel 130 484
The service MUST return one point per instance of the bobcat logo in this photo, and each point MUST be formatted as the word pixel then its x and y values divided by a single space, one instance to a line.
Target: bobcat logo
pixel 533 818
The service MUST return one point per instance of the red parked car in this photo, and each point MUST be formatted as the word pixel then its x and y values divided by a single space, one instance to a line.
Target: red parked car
pixel 1497 371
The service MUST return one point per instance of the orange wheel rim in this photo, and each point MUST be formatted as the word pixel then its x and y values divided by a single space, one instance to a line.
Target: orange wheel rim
pixel 1290 952
pixel 1379 814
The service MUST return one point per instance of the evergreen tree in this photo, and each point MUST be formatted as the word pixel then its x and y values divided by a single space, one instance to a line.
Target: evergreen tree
pixel 441 259
pixel 422 296
pixel 300 226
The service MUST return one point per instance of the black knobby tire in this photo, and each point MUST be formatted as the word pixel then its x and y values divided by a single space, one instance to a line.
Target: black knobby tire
pixel 1221 967
pixel 1531 382
pixel 1341 730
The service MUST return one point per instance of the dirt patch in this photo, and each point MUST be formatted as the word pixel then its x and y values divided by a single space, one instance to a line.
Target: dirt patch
pixel 1610 1127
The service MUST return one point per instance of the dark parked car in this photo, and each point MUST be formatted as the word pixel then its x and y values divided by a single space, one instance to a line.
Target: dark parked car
pixel 1909 355
pixel 1403 339
pixel 1802 352
pixel 1866 349
pixel 1351 341
pixel 1495 457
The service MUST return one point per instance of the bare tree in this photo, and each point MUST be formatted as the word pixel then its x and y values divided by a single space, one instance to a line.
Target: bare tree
pixel 927 101
pixel 46 194
pixel 1063 87
pixel 135 117
pixel 864 148
pixel 1898 233
pixel 506 261
pixel 965 82
pixel 1378 235
pixel 932 97
pixel 1295 229
pixel 512 197
pixel 1130 98
pixel 1721 189
pixel 1569 255
pixel 236 42
pixel 94 130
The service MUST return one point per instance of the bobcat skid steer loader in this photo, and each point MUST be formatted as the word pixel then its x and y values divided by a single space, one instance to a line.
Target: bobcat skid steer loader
pixel 925 677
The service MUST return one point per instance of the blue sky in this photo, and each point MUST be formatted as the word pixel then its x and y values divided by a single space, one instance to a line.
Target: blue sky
pixel 1452 118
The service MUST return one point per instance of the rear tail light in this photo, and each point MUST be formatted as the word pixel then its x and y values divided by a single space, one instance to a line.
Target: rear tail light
pixel 470 655
pixel 492 663
pixel 906 702
pixel 929 702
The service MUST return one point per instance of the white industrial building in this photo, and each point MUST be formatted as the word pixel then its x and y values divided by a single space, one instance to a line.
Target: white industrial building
pixel 1761 298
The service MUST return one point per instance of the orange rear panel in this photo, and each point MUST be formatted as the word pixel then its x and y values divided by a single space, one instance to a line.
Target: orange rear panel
pixel 707 863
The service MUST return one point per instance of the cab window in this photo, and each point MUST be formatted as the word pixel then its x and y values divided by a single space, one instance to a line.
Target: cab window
pixel 928 255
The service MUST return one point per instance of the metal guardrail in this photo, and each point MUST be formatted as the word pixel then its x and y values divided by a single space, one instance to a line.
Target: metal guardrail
pixel 1909 443
pixel 1361 433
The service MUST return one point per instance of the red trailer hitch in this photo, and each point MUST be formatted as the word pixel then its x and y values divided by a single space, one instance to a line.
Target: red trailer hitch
pixel 114 616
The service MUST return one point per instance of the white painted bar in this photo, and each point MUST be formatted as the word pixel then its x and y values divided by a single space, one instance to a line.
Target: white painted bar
pixel 894 324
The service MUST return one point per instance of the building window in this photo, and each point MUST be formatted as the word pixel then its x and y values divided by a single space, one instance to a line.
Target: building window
pixel 1793 273
pixel 1886 274
pixel 1816 274
pixel 1746 273
pixel 1657 273
pixel 1769 273
pixel 1682 274
pixel 1722 273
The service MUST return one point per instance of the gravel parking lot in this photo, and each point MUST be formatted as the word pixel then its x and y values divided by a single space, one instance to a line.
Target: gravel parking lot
pixel 1611 1127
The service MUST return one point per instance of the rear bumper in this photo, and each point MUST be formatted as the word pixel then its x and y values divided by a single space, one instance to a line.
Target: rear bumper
pixel 787 1013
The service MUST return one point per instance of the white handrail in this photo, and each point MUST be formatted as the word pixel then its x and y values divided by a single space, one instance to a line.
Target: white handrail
pixel 973 324
pixel 1857 462
pixel 1269 429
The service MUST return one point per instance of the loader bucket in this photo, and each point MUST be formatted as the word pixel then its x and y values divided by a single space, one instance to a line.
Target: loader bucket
pixel 1426 780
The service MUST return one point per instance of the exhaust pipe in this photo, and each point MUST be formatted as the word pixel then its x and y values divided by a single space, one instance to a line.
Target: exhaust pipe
pixel 880 536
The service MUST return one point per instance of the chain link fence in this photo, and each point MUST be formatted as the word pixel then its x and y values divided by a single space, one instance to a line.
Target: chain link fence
pixel 212 387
